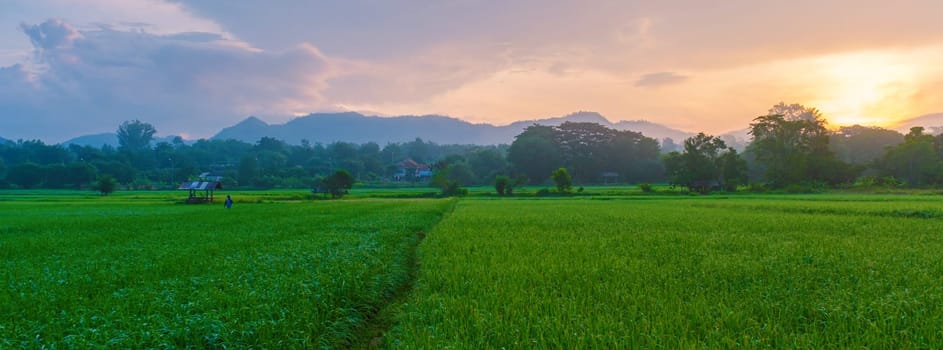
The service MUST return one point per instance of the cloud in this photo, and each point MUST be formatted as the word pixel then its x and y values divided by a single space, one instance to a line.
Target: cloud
pixel 660 79
pixel 185 82
pixel 51 34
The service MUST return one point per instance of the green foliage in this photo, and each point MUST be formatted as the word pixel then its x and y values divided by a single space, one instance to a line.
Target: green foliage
pixel 765 271
pixel 105 185
pixel 135 135
pixel 646 187
pixel 26 175
pixel 453 189
pixel 706 162
pixel 917 161
pixel 883 182
pixel 561 177
pixel 862 144
pixel 501 184
pixel 587 149
pixel 338 184
pixel 248 170
pixel 448 176
pixel 535 152
pixel 793 144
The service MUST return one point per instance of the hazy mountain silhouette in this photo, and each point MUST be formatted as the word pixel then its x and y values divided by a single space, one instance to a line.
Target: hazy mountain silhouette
pixel 94 140
pixel 358 128
pixel 932 122
pixel 111 139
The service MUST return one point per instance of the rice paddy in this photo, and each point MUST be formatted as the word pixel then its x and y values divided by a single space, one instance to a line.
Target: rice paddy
pixel 791 271
pixel 280 270
pixel 131 272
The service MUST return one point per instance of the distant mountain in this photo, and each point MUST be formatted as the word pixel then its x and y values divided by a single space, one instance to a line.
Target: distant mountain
pixel 738 139
pixel 358 128
pixel 932 122
pixel 94 140
pixel 111 139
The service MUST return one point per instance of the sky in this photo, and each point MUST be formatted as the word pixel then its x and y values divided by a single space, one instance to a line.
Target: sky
pixel 192 67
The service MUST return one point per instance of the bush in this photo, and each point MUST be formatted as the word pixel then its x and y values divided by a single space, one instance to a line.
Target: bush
pixel 646 187
pixel 452 189
pixel 757 187
pixel 105 185
pixel 543 192
pixel 806 187
pixel 502 184
pixel 562 178
pixel 519 181
pixel 338 184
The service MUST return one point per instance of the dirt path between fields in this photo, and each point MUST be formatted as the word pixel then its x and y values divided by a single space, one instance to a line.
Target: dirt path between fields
pixel 373 334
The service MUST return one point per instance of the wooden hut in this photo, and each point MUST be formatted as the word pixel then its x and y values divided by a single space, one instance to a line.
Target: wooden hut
pixel 201 191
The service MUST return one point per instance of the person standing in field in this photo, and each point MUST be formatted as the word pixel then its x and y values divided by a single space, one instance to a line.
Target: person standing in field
pixel 228 201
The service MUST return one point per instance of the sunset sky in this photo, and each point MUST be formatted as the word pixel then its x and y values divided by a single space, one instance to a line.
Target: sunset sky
pixel 73 67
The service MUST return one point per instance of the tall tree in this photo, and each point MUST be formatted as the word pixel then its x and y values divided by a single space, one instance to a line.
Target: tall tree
pixel 795 112
pixel 706 161
pixel 858 144
pixel 794 148
pixel 135 135
pixel 535 153
pixel 915 161
pixel 487 163
pixel 584 147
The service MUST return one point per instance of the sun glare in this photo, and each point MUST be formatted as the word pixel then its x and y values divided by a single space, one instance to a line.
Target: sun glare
pixel 865 88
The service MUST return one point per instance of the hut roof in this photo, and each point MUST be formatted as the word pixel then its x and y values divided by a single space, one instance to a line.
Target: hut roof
pixel 200 185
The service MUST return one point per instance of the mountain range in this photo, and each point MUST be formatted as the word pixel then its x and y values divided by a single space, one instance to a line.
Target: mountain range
pixel 932 122
pixel 111 139
pixel 358 128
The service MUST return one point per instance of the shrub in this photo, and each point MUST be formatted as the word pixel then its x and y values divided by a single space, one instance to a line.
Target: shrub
pixel 756 187
pixel 338 184
pixel 562 178
pixel 502 184
pixel 646 187
pixel 452 189
pixel 105 185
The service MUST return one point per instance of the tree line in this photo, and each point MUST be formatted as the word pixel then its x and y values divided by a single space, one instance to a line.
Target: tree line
pixel 791 148
pixel 140 163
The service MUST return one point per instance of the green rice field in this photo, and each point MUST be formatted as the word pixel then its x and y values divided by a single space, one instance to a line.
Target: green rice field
pixel 819 271
pixel 145 272
pixel 614 269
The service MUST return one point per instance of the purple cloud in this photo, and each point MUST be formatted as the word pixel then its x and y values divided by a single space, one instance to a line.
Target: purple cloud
pixel 85 81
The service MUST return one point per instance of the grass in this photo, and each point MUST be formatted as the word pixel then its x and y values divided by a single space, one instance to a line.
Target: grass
pixel 137 270
pixel 814 271
pixel 610 268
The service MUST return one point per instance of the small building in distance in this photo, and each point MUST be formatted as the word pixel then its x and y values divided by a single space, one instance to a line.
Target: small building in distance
pixel 202 191
pixel 410 170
